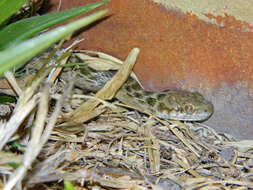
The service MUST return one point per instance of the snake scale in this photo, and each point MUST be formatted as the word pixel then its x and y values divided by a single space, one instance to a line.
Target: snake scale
pixel 171 104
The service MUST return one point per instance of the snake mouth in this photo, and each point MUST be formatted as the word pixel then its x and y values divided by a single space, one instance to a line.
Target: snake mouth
pixel 196 117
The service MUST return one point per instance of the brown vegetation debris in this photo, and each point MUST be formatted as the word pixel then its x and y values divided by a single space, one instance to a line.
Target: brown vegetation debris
pixel 119 148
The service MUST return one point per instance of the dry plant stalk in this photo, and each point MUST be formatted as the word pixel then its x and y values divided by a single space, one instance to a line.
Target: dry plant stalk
pixel 26 103
pixel 40 135
pixel 84 112
pixel 11 80
pixel 32 149
pixel 153 149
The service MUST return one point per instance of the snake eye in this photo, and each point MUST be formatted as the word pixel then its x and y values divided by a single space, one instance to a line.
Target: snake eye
pixel 189 108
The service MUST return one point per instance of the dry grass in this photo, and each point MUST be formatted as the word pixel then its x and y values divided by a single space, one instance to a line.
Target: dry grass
pixel 104 145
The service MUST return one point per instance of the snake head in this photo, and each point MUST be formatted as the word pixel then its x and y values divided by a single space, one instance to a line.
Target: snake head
pixel 184 106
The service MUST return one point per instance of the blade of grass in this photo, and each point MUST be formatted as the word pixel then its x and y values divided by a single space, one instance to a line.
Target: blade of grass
pixel 18 55
pixel 8 8
pixel 26 28
pixel 68 185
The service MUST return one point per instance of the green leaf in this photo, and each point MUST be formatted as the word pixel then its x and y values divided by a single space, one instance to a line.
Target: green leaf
pixel 26 28
pixel 14 165
pixel 8 8
pixel 68 185
pixel 6 99
pixel 17 55
pixel 16 144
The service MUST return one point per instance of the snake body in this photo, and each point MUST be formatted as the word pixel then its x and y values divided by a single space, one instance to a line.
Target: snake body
pixel 171 104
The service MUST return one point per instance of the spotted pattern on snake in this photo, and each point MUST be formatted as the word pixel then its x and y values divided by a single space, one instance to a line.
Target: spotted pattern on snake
pixel 171 104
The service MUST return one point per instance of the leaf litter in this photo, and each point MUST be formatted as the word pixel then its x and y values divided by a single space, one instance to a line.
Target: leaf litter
pixel 104 144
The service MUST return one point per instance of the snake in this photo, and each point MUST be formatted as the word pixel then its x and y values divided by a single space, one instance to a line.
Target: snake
pixel 171 104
